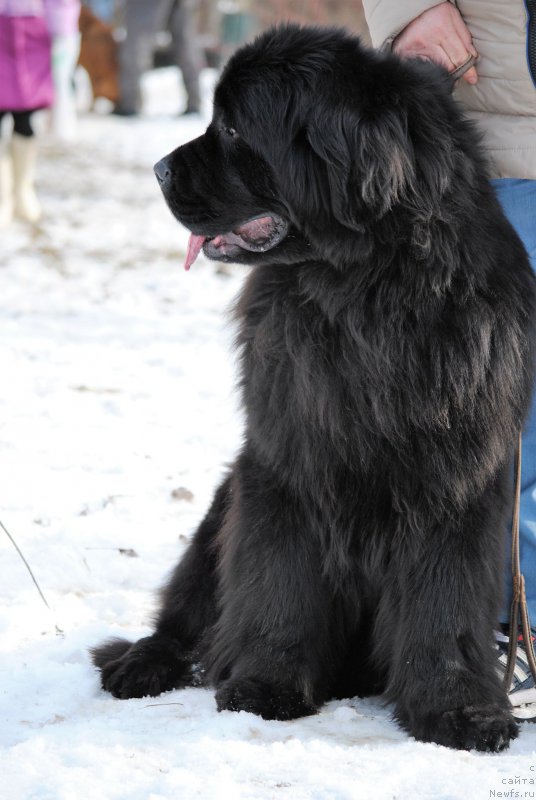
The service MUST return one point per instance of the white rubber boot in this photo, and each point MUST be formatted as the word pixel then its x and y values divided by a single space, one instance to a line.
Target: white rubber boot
pixel 6 186
pixel 24 153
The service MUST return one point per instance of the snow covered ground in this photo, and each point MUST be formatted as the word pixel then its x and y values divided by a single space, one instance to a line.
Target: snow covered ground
pixel 117 416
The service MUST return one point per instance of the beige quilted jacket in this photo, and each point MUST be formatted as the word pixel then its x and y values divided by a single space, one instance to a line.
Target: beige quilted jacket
pixel 503 101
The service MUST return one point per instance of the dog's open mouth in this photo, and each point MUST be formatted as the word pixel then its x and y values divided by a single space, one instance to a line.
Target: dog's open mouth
pixel 256 235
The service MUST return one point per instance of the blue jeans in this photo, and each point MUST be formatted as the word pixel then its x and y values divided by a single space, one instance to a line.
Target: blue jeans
pixel 518 199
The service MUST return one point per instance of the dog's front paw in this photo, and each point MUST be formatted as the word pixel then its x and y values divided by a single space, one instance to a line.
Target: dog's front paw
pixel 488 728
pixel 149 667
pixel 265 699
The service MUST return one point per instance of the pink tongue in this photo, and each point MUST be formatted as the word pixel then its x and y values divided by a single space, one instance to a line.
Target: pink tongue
pixel 195 243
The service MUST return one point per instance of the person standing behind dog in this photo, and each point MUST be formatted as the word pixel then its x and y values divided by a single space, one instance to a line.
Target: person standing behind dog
pixel 26 85
pixel 62 19
pixel 500 95
pixel 143 20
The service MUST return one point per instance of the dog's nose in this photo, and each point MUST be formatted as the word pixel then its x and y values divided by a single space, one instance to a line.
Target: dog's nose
pixel 162 171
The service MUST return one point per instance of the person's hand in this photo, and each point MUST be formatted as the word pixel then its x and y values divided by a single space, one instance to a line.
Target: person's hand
pixel 439 35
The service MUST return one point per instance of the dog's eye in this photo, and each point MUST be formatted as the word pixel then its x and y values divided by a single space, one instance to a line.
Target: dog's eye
pixel 230 132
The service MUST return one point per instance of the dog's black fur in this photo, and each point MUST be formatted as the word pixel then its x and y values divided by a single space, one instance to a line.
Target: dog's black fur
pixel 386 350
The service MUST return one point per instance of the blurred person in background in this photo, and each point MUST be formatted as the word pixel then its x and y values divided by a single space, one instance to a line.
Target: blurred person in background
pixel 38 48
pixel 62 19
pixel 143 19
pixel 26 85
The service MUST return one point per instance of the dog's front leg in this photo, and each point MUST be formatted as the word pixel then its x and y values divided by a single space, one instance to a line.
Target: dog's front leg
pixel 165 659
pixel 271 640
pixel 443 673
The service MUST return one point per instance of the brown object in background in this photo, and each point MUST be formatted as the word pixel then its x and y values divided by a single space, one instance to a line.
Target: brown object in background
pixel 99 55
pixel 346 13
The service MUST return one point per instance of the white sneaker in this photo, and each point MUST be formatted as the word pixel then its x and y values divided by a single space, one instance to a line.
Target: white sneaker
pixel 522 691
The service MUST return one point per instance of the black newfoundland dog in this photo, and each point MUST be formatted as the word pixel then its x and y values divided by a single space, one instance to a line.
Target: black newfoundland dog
pixel 385 334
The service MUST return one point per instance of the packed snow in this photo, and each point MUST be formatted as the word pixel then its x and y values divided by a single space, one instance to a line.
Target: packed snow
pixel 117 418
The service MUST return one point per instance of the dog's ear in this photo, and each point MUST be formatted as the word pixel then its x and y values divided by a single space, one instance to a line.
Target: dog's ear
pixel 367 161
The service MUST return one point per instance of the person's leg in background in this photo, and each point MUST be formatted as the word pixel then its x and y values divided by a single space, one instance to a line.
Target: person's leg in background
pixel 17 171
pixel 518 199
pixel 6 179
pixel 65 52
pixel 142 21
pixel 24 157
pixel 187 51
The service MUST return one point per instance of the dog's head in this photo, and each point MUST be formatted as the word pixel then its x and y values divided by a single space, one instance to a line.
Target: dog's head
pixel 315 141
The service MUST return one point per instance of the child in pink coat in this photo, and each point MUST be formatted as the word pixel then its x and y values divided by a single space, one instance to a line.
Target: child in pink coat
pixel 27 29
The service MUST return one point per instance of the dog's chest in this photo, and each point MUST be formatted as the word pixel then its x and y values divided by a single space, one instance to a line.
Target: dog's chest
pixel 310 383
